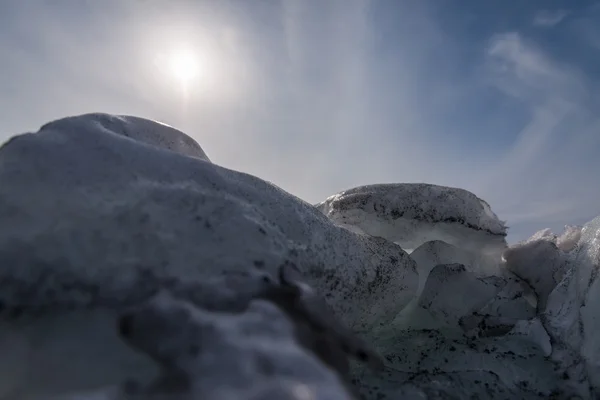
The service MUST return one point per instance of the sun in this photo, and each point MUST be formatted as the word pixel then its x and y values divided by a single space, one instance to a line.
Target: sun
pixel 184 65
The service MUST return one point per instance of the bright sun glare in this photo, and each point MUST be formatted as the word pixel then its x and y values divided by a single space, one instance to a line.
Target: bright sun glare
pixel 184 65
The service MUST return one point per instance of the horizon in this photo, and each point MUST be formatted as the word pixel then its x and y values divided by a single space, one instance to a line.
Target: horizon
pixel 319 97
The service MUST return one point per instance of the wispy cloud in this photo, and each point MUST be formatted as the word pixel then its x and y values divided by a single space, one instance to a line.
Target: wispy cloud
pixel 524 70
pixel 548 165
pixel 547 18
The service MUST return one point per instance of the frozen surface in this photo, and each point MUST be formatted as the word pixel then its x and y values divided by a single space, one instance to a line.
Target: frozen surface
pixel 89 205
pixel 436 252
pixel 189 353
pixel 91 219
pixel 448 365
pixel 540 263
pixel 170 346
pixel 563 271
pixel 534 331
pixel 411 214
pixel 452 292
pixel 199 353
pixel 512 301
pixel 131 267
pixel 572 315
pixel 480 306
pixel 139 129
pixel 545 234
pixel 568 240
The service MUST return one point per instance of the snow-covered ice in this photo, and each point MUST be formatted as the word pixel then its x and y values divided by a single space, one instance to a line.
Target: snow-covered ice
pixel 533 330
pixel 133 267
pixel 452 292
pixel 139 129
pixel 540 263
pixel 572 317
pixel 94 219
pixel 411 214
pixel 437 252
pixel 90 205
pixel 568 240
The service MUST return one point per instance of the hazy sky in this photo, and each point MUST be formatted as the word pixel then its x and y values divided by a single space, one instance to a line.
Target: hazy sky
pixel 498 97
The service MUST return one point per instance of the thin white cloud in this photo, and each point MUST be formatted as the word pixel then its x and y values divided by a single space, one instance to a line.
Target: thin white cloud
pixel 527 71
pixel 548 18
pixel 547 170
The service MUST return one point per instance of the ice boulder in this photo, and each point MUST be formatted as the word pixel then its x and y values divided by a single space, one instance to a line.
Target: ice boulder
pixel 411 214
pixel 540 263
pixel 451 292
pixel 512 301
pixel 568 240
pixel 480 306
pixel 572 316
pixel 99 213
pixel 436 252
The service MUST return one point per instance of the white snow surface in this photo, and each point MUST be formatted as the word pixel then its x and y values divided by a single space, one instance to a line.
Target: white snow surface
pixel 523 260
pixel 85 203
pixel 93 219
pixel 132 267
pixel 572 317
pixel 568 240
pixel 411 214
pixel 139 129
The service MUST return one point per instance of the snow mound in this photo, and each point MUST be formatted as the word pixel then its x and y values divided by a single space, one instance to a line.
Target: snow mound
pixel 132 267
pixel 139 129
pixel 129 213
pixel 93 220
pixel 411 214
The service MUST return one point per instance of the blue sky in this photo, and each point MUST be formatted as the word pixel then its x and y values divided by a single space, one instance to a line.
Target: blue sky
pixel 498 97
